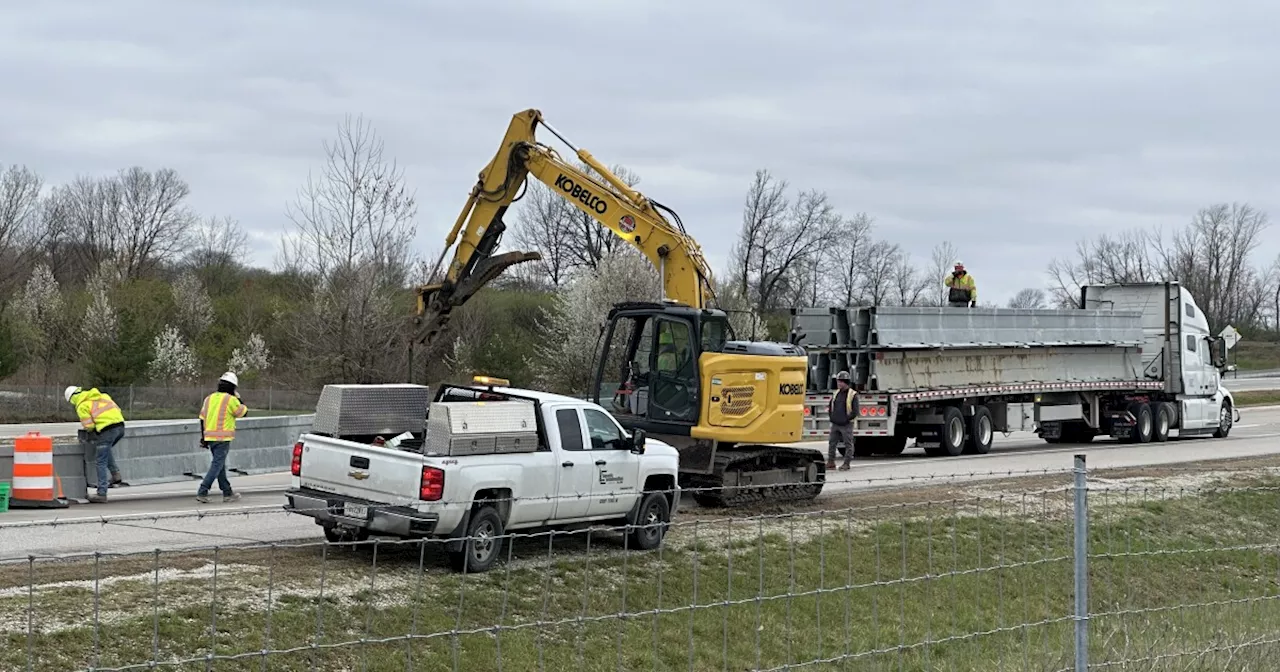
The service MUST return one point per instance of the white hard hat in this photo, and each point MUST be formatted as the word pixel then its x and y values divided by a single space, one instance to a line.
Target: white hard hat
pixel 230 378
pixel 71 389
pixel 959 263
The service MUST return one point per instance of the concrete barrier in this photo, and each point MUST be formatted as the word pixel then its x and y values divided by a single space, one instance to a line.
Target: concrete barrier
pixel 171 453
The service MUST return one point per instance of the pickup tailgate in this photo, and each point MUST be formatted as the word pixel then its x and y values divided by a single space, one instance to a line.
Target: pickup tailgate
pixel 360 471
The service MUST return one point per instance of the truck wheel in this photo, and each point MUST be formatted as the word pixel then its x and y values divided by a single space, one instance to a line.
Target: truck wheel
pixel 1143 423
pixel 981 432
pixel 952 434
pixel 483 544
pixel 651 522
pixel 1225 421
pixel 1163 421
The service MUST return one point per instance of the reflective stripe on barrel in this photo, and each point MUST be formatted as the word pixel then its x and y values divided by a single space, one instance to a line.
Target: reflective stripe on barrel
pixel 33 467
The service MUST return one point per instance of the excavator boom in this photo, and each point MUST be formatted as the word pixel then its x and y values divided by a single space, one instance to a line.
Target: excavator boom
pixel 686 277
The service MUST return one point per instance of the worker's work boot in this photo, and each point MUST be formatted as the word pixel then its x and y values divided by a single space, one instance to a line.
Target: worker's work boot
pixel 95 498
pixel 831 464
pixel 115 478
pixel 233 497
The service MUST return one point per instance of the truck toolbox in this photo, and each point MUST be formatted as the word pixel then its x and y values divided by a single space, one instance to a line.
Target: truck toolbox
pixel 481 427
pixel 363 410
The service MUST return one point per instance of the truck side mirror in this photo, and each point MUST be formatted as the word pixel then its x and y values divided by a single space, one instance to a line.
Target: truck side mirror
pixel 1218 352
pixel 637 442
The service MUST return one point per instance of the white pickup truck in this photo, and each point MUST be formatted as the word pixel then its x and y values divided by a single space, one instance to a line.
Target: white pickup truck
pixel 584 470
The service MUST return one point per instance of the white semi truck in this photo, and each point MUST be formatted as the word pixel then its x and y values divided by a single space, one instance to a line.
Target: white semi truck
pixel 1133 361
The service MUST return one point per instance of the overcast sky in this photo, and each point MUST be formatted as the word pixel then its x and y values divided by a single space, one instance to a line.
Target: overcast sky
pixel 1011 128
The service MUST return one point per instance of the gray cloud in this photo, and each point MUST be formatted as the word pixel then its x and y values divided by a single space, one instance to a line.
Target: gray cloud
pixel 1011 128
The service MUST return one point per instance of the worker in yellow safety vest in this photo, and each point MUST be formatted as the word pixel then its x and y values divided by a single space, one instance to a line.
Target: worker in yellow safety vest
pixel 962 291
pixel 218 429
pixel 103 421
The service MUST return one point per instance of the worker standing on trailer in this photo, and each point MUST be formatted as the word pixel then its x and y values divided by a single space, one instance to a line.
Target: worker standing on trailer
pixel 104 422
pixel 218 429
pixel 840 413
pixel 962 292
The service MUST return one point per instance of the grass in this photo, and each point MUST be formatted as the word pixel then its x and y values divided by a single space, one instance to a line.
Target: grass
pixel 1256 355
pixel 1256 397
pixel 977 579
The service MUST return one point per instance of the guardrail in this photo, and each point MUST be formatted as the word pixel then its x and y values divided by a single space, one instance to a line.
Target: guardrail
pixel 171 453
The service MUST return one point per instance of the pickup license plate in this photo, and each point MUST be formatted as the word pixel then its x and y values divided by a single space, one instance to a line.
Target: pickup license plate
pixel 355 510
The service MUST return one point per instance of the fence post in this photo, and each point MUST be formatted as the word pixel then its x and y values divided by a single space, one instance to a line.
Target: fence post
pixel 1081 565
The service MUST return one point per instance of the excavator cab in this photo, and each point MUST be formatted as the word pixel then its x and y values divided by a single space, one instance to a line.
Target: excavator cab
pixel 648 364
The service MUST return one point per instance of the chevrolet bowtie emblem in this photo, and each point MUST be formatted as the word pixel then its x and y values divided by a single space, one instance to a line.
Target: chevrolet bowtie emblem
pixel 358 475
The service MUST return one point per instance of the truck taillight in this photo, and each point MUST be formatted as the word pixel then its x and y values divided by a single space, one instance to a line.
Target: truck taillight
pixel 431 487
pixel 296 465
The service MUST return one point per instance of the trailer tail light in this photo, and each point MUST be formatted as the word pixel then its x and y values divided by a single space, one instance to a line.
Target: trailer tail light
pixel 431 487
pixel 295 467
pixel 882 410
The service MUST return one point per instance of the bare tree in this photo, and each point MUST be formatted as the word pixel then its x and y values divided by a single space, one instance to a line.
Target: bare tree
pixel 910 286
pixel 218 244
pixel 19 224
pixel 1125 257
pixel 1211 257
pixel 941 259
pixel 850 254
pixel 136 218
pixel 544 224
pixel 1031 298
pixel 881 263
pixel 353 228
pixel 779 240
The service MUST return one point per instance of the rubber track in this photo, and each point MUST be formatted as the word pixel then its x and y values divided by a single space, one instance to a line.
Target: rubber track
pixel 726 461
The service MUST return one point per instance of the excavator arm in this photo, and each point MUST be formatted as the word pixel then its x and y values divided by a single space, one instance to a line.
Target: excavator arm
pixel 686 277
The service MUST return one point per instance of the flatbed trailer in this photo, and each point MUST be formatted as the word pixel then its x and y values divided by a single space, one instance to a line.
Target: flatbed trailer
pixel 1132 361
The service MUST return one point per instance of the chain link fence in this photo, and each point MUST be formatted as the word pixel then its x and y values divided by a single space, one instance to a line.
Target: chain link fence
pixel 1151 569
pixel 35 403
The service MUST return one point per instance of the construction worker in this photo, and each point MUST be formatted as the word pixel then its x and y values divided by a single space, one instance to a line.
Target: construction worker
pixel 840 413
pixel 104 423
pixel 962 292
pixel 218 429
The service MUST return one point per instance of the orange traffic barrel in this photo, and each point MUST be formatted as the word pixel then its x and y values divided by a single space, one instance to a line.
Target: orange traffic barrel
pixel 33 475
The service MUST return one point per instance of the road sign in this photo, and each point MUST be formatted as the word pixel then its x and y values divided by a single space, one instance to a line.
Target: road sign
pixel 1231 336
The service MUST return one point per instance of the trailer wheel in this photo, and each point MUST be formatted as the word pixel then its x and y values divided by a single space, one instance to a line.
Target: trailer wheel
pixel 981 432
pixel 950 434
pixel 1163 421
pixel 1143 426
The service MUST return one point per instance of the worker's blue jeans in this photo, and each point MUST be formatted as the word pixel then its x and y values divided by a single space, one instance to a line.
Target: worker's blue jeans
pixel 217 469
pixel 103 456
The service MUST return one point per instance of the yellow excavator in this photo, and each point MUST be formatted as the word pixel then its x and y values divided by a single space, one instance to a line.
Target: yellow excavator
pixel 670 367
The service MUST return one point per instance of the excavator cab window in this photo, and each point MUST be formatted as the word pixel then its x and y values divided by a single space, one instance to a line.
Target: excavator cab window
pixel 654 360
pixel 674 392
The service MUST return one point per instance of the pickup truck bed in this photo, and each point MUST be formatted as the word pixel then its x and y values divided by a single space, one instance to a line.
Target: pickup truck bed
pixel 585 470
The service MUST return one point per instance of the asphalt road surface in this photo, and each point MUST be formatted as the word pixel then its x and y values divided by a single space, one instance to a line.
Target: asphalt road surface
pixel 1248 384
pixel 168 517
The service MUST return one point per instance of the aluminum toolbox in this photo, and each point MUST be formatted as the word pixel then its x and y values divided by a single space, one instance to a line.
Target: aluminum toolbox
pixel 483 427
pixel 386 409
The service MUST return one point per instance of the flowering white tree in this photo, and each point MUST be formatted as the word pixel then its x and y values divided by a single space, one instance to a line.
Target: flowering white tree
pixel 100 319
pixel 251 358
pixel 40 308
pixel 173 360
pixel 195 309
pixel 572 330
